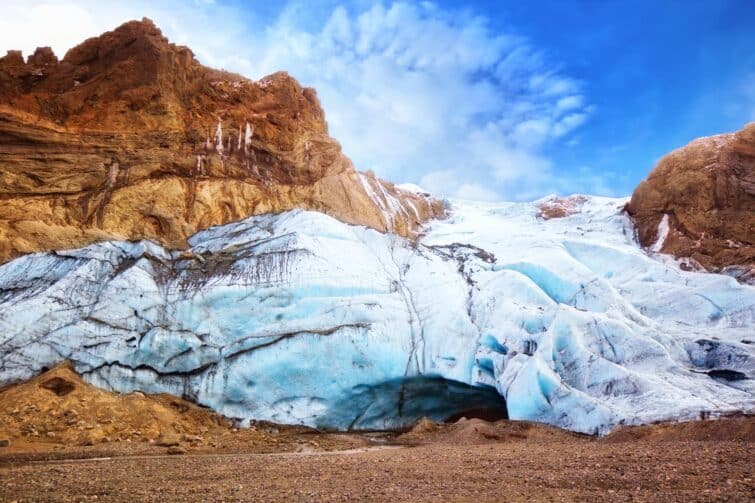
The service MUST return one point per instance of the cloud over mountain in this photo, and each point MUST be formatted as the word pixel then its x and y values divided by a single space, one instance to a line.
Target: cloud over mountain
pixel 415 92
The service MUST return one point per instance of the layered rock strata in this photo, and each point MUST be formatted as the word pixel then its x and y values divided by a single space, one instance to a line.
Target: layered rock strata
pixel 129 137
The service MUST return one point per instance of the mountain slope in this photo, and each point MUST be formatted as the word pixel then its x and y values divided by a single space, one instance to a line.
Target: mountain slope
pixel 129 137
pixel 299 318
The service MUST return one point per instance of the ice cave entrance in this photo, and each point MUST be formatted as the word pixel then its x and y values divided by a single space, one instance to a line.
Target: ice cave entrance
pixel 399 403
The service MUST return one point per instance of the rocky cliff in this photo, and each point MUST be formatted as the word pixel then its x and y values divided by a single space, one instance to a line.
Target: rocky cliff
pixel 699 204
pixel 129 137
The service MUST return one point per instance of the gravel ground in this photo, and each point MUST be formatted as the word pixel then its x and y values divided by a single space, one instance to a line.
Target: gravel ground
pixel 61 439
pixel 548 470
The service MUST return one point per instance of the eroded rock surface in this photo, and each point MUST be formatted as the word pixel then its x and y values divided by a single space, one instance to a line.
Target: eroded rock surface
pixel 699 204
pixel 129 137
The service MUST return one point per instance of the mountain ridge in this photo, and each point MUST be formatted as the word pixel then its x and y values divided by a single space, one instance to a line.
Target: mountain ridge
pixel 129 137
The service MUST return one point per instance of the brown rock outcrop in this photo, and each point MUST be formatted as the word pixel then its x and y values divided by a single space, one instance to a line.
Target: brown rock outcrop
pixel 704 194
pixel 560 207
pixel 37 411
pixel 129 137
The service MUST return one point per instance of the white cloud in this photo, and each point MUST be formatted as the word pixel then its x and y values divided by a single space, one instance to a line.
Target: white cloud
pixel 414 90
pixel 211 30
pixel 569 103
pixel 476 192
pixel 25 25
pixel 410 90
pixel 438 181
pixel 568 123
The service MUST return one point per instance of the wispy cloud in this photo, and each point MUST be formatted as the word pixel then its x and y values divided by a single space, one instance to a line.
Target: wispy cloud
pixel 415 92
pixel 433 96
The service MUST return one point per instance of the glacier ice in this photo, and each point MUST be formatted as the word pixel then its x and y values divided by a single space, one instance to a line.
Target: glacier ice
pixel 298 318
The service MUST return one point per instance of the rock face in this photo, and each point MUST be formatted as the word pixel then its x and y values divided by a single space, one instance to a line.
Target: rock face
pixel 560 207
pixel 129 137
pixel 699 204
pixel 299 318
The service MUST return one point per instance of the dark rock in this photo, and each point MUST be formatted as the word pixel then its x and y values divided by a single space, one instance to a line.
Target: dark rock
pixel 59 386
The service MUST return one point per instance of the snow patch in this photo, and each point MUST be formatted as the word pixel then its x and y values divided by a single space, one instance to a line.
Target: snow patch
pixel 662 233
pixel 248 137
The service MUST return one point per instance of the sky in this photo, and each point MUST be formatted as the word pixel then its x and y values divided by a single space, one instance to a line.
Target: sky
pixel 485 100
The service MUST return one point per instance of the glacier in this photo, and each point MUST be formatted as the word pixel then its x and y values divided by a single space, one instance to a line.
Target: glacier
pixel 298 318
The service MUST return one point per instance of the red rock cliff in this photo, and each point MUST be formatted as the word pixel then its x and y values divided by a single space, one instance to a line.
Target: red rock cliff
pixel 129 137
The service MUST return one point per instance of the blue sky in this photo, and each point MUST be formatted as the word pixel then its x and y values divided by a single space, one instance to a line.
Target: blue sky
pixel 482 100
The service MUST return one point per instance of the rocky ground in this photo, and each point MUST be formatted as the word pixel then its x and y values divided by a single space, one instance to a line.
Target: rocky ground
pixel 159 448
pixel 57 415
pixel 654 465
